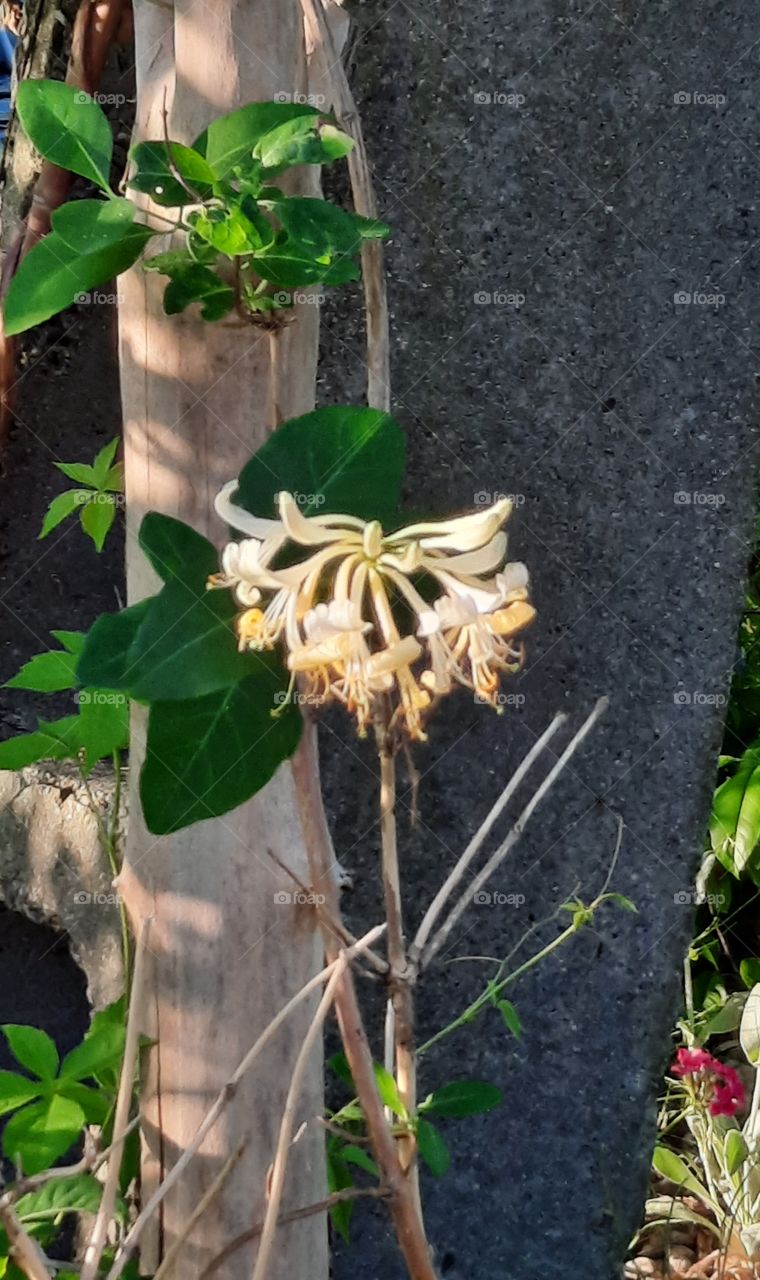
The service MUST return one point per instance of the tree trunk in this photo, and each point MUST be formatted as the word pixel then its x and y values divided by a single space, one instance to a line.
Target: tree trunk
pixel 225 956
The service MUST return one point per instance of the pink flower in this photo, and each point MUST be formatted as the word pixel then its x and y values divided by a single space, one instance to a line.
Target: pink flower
pixel 725 1090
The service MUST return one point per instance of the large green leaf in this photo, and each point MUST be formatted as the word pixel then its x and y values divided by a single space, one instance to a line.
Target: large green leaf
pixel 735 820
pixel 186 646
pixel 159 166
pixel 340 459
pixel 176 550
pixel 103 724
pixel 105 662
pixel 208 755
pixel 91 242
pixel 67 127
pixel 40 1134
pixel 230 140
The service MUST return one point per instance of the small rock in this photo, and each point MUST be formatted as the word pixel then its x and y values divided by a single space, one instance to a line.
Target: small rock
pixel 641 1267
pixel 680 1259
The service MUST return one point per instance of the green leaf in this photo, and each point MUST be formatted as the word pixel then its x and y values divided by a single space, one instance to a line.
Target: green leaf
pixel 186 647
pixel 67 128
pixel 33 1048
pixel 46 673
pixel 229 141
pixel 510 1016
pixel 50 742
pixel 176 550
pixel 95 1104
pixel 198 283
pixel 91 242
pixel 725 1019
pixel 40 1134
pixel 749 969
pixel 735 1150
pixel 157 166
pixel 72 641
pixel 749 1029
pixel 388 1090
pixel 105 662
pixel 103 724
pixel 432 1148
pixel 208 755
pixel 81 472
pixel 735 820
pixel 319 228
pixel 231 231
pixel 356 1155
pixel 462 1098
pixel 102 463
pixel 300 141
pixel 287 265
pixel 62 506
pixel 338 1064
pixel 80 1193
pixel 339 1179
pixel 96 518
pixel 672 1167
pixel 102 1047
pixel 340 459
pixel 16 1091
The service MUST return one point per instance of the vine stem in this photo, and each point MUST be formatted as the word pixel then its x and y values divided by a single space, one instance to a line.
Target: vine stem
pixel 400 1018
pixel 97 1240
pixel 402 1205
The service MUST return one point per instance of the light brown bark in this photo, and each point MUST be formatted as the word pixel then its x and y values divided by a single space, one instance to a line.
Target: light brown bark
pixel 225 955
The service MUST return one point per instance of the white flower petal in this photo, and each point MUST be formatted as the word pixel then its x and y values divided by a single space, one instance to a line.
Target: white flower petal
pixel 237 518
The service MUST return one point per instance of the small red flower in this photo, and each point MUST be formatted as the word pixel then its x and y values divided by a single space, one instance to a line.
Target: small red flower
pixel 725 1089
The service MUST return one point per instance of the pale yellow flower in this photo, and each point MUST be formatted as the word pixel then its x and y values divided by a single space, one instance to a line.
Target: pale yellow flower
pixel 351 617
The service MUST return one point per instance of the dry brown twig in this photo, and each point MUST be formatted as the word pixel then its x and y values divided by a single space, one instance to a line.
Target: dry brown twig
pixel 225 1095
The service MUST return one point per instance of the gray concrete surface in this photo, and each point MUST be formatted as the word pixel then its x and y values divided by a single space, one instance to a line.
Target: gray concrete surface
pixel 621 419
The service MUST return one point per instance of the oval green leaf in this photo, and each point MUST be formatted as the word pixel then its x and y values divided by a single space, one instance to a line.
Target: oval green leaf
pixel 67 127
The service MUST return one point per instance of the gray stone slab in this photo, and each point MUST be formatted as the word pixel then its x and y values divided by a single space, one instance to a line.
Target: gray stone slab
pixel 597 196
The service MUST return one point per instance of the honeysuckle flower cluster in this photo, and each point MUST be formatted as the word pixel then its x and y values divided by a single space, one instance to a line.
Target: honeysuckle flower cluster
pixel 719 1085
pixel 351 615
